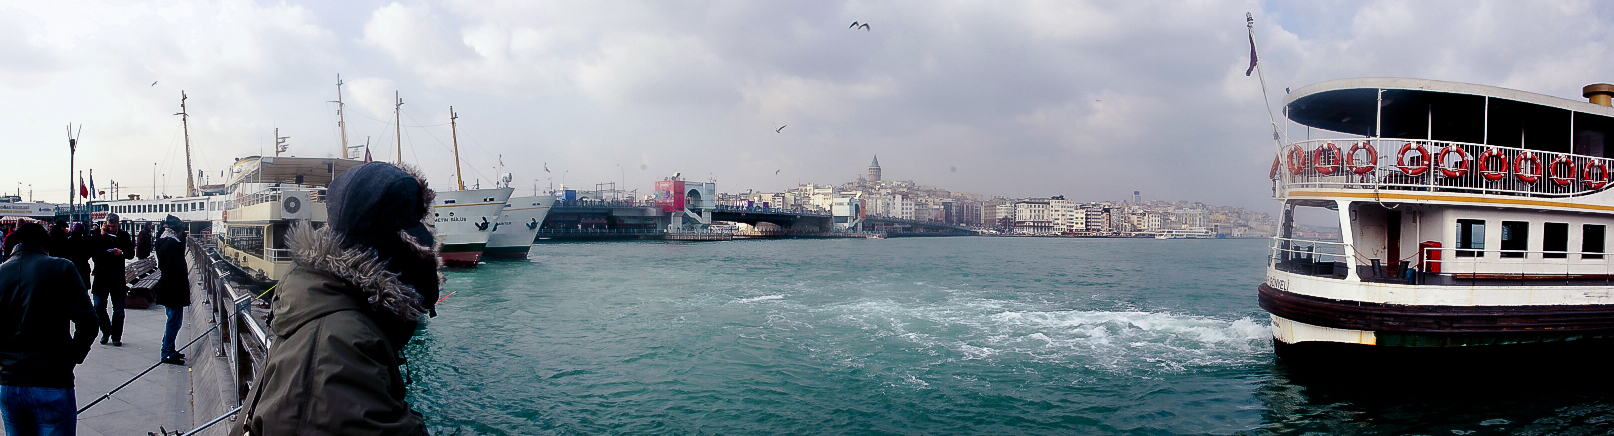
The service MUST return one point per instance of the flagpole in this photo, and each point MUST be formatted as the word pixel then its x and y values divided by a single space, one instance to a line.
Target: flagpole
pixel 1249 23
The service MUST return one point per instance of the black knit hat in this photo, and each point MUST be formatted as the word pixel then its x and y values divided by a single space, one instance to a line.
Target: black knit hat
pixel 174 223
pixel 375 199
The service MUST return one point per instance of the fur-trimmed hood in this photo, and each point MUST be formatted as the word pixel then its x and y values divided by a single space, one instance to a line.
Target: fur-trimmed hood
pixel 361 270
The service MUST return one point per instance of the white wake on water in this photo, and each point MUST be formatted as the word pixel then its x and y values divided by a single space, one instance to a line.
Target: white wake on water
pixel 1123 341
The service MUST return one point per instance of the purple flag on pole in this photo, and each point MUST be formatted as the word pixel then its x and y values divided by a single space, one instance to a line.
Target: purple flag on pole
pixel 1252 56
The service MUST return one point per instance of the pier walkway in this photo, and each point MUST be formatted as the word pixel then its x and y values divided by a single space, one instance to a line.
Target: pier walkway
pixel 167 398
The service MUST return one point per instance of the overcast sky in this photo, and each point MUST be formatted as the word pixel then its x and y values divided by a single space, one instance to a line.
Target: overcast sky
pixel 1088 100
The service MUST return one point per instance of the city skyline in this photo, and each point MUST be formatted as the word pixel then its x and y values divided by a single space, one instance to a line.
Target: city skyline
pixel 1089 100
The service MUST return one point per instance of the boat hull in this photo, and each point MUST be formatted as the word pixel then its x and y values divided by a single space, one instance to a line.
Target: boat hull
pixel 1300 319
pixel 463 222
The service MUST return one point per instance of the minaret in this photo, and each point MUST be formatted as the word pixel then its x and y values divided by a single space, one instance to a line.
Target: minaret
pixel 874 169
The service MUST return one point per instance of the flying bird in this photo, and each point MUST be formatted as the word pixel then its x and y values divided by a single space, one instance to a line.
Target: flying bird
pixel 776 172
pixel 855 25
pixel 780 129
pixel 154 83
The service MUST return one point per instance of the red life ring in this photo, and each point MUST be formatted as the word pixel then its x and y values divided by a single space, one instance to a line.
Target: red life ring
pixel 1327 153
pixel 1297 160
pixel 1485 168
pixel 1462 161
pixel 1370 163
pixel 1533 174
pixel 1595 182
pixel 1423 156
pixel 1552 171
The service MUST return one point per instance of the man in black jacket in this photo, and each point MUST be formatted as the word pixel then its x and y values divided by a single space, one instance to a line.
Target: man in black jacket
pixel 174 287
pixel 39 296
pixel 109 249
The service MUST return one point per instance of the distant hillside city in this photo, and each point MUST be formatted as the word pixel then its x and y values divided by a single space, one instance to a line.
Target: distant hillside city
pixel 1048 216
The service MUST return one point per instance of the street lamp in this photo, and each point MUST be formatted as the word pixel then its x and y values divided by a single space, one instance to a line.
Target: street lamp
pixel 624 185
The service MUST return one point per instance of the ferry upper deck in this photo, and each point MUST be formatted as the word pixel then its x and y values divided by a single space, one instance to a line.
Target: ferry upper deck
pixel 1446 142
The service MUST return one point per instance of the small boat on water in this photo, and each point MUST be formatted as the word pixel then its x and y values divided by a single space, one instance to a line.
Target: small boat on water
pixel 1188 233
pixel 1469 216
pixel 517 227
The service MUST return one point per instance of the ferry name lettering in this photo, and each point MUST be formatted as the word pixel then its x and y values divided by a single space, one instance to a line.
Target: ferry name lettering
pixel 1277 283
pixel 450 219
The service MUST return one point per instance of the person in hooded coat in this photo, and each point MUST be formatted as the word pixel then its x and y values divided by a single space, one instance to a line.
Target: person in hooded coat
pixel 173 289
pixel 341 317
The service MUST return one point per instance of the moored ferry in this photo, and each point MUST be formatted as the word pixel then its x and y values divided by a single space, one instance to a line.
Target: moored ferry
pixel 465 220
pixel 517 227
pixel 1469 216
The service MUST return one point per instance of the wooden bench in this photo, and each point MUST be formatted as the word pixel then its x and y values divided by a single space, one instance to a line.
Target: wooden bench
pixel 142 275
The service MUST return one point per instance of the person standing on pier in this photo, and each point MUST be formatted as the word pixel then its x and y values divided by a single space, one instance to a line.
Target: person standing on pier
pixel 40 296
pixel 109 249
pixel 341 318
pixel 174 287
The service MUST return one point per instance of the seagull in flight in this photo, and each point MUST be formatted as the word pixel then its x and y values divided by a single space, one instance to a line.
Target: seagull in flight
pixel 855 25
pixel 776 172
pixel 780 129
pixel 154 83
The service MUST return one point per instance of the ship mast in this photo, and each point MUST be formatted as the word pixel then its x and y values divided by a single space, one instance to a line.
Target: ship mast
pixel 184 120
pixel 341 117
pixel 454 131
pixel 397 122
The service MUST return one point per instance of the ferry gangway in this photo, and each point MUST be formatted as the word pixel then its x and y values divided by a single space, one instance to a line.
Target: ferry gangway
pixel 1379 164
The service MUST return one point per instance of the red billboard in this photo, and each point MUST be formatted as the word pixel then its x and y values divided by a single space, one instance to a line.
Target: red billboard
pixel 670 195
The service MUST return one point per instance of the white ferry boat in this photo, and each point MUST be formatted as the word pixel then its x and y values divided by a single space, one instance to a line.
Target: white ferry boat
pixel 1470 216
pixel 517 227
pixel 465 220
pixel 1188 233
pixel 248 221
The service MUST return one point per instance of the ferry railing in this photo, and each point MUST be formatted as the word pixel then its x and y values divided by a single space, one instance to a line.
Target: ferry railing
pixel 1477 265
pixel 234 306
pixel 1443 166
pixel 1311 257
pixel 273 193
pixel 278 255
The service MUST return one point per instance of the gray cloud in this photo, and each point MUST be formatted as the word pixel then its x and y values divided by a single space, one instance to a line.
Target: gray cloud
pixel 1089 100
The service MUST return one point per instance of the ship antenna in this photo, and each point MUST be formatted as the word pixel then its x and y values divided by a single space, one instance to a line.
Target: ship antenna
pixel 397 122
pixel 341 117
pixel 454 131
pixel 1249 23
pixel 184 120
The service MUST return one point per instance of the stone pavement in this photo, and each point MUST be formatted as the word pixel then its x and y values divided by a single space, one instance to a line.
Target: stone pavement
pixel 159 400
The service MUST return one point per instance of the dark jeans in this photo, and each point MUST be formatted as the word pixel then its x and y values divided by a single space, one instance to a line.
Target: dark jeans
pixel 176 316
pixel 38 411
pixel 111 327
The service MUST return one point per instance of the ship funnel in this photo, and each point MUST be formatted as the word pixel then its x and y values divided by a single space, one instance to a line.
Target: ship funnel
pixel 1598 93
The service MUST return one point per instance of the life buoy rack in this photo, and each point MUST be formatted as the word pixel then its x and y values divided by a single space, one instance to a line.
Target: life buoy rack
pixel 1423 158
pixel 1326 159
pixel 1561 180
pixel 1595 182
pixel 1485 167
pixel 1462 162
pixel 1297 160
pixel 1527 176
pixel 1371 162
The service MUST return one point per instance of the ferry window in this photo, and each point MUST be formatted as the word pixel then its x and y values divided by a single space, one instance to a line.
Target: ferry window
pixel 1515 238
pixel 1555 240
pixel 1471 235
pixel 1591 241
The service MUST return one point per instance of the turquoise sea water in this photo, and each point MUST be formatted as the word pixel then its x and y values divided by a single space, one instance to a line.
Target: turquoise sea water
pixel 970 335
